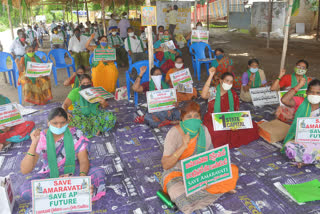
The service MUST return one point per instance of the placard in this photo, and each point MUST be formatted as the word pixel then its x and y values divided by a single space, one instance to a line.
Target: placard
pixel 92 94
pixel 161 100
pixel 211 167
pixel 232 120
pixel 35 69
pixel 57 40
pixel 213 94
pixel 300 93
pixel 7 198
pixel 200 36
pixel 182 76
pixel 308 130
pixel 185 88
pixel 10 115
pixel 169 45
pixel 61 195
pixel 148 16
pixel 104 54
pixel 263 96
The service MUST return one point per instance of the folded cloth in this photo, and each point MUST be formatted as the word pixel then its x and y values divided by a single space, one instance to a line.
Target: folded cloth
pixel 304 192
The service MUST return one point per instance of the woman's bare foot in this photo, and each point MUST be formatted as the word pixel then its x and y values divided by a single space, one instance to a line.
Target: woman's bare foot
pixel 232 191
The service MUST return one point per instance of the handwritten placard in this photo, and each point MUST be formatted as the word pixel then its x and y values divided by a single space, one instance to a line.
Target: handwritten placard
pixel 61 195
pixel 148 16
pixel 35 69
pixel 169 45
pixel 232 120
pixel 57 40
pixel 104 54
pixel 161 100
pixel 263 96
pixel 300 93
pixel 182 76
pixel 308 130
pixel 205 169
pixel 200 36
pixel 92 95
pixel 10 115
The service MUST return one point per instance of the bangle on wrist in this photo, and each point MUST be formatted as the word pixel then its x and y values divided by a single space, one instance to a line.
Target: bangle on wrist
pixel 83 173
pixel 279 78
pixel 174 154
pixel 32 155
pixel 295 90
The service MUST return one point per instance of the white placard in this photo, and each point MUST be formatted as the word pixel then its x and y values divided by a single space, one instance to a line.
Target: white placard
pixel 232 120
pixel 161 100
pixel 263 96
pixel 308 130
pixel 200 36
pixel 10 115
pixel 35 69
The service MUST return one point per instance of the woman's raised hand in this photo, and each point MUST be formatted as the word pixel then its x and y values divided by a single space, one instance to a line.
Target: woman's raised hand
pixel 282 73
pixel 302 82
pixel 92 36
pixel 212 71
pixel 35 136
pixel 143 69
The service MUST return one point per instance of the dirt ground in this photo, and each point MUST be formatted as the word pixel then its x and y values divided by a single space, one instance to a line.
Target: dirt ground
pixel 240 47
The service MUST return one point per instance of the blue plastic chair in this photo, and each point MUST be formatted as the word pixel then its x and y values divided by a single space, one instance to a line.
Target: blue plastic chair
pixel 189 43
pixel 156 61
pixel 58 55
pixel 198 54
pixel 145 78
pixel 42 55
pixel 90 62
pixel 4 67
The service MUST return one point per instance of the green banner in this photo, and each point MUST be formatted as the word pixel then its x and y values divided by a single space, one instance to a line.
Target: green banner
pixel 106 54
pixel 211 167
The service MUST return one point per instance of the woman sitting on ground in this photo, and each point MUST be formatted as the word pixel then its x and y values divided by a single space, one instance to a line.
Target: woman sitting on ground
pixel 63 152
pixel 35 90
pixel 303 153
pixel 87 116
pixel 226 101
pixel 164 55
pixel 179 65
pixel 157 119
pixel 252 78
pixel 190 138
pixel 14 134
pixel 74 79
pixel 104 73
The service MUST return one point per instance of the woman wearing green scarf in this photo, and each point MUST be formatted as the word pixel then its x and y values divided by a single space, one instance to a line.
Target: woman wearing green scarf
pixel 225 100
pixel 35 90
pixel 157 119
pixel 63 152
pixel 187 139
pixel 74 79
pixel 303 153
pixel 252 78
pixel 88 117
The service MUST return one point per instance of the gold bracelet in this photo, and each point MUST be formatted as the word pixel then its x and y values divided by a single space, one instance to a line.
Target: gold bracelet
pixel 174 154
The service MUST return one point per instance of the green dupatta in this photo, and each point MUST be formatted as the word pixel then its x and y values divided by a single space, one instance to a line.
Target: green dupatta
pixel 217 103
pixel 113 41
pixel 193 132
pixel 257 79
pixel 294 81
pixel 28 59
pixel 70 165
pixel 152 86
pixel 76 83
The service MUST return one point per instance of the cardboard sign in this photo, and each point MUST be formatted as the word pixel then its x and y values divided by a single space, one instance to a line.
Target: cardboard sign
pixel 161 100
pixel 10 115
pixel 232 120
pixel 104 54
pixel 148 16
pixel 185 88
pixel 263 96
pixel 57 40
pixel 182 76
pixel 6 195
pixel 300 93
pixel 213 93
pixel 200 36
pixel 169 45
pixel 35 69
pixel 61 195
pixel 308 130
pixel 92 94
pixel 205 169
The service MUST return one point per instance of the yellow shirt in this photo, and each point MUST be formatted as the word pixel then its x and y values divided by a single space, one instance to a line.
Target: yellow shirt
pixel 173 17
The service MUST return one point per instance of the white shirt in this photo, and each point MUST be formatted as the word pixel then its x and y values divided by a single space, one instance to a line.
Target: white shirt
pixel 112 23
pixel 39 32
pixel 53 25
pixel 135 45
pixel 144 37
pixel 77 46
pixel 17 48
pixel 31 35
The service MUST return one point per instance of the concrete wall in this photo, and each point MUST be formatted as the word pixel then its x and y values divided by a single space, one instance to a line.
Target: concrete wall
pixel 240 20
pixel 305 16
pixel 260 15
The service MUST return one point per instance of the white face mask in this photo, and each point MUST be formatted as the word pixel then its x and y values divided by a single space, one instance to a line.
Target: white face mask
pixel 157 81
pixel 226 86
pixel 114 33
pixel 314 99
pixel 131 34
pixel 178 65
pixel 199 28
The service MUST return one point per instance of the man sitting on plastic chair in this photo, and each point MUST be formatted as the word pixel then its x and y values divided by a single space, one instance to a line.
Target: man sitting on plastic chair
pixel 77 49
pixel 135 47
pixel 116 42
pixel 157 119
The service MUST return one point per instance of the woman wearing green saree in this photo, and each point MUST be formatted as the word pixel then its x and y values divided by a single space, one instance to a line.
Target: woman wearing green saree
pixel 88 117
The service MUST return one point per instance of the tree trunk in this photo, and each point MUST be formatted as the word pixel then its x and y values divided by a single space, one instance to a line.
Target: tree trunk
pixel 269 22
pixel 9 18
pixel 71 11
pixel 318 27
pixel 103 16
pixel 21 22
pixel 150 44
pixel 86 4
pixel 195 13
pixel 286 35
pixel 78 20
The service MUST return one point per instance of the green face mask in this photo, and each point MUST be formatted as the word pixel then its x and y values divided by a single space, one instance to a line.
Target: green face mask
pixel 30 54
pixel 192 126
pixel 166 38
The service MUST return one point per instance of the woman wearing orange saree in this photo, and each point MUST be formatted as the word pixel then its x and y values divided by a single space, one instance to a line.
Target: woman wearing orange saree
pixel 183 141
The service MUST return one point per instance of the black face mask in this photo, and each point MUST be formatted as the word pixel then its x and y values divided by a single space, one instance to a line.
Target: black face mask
pixel 77 34
pixel 85 86
pixel 79 75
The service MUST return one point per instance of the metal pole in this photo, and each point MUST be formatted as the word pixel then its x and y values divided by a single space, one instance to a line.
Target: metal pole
pixel 195 13
pixel 150 44
pixel 318 27
pixel 9 18
pixel 286 34
pixel 208 22
pixel 269 22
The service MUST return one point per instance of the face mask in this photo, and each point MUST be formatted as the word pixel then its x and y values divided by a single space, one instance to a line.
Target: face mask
pixel 58 131
pixel 192 126
pixel 314 99
pixel 77 34
pixel 157 81
pixel 166 38
pixel 254 70
pixel 104 44
pixel 30 54
pixel 178 65
pixel 160 33
pixel 199 28
pixel 85 86
pixel 114 33
pixel 22 39
pixel 219 57
pixel 226 86
pixel 59 30
pixel 95 28
pixel 55 32
pixel 125 17
pixel 300 71
pixel 131 34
